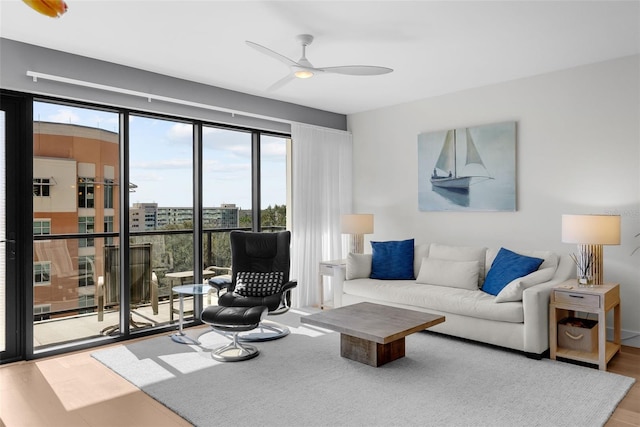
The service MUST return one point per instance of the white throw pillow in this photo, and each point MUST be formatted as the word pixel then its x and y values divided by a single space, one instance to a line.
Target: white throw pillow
pixel 358 266
pixel 513 291
pixel 461 253
pixel 419 251
pixel 453 274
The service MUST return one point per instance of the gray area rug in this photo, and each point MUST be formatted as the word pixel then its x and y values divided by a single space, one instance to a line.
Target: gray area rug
pixel 301 380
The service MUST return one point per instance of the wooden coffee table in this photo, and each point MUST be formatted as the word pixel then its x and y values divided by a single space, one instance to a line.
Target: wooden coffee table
pixel 372 333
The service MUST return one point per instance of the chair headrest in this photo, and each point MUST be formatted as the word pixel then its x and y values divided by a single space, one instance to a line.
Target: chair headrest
pixel 261 245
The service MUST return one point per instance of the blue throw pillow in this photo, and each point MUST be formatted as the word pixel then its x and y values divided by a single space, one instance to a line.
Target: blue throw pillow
pixel 506 267
pixel 392 260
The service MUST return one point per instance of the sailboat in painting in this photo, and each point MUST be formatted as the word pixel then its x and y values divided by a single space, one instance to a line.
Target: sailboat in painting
pixel 447 163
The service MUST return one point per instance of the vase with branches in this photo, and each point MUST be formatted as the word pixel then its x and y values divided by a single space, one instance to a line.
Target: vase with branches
pixel 584 262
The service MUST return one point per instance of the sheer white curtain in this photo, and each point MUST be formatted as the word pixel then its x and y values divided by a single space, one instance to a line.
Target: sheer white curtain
pixel 322 164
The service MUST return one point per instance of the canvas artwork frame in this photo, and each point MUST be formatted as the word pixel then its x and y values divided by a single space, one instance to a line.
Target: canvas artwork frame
pixel 468 168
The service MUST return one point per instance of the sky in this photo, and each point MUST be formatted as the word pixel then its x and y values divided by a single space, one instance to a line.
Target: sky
pixel 161 159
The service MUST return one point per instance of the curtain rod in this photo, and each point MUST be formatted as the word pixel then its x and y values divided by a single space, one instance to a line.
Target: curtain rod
pixel 149 96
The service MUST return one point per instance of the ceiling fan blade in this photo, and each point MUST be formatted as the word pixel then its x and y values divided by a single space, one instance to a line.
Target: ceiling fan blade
pixel 357 70
pixel 283 81
pixel 271 53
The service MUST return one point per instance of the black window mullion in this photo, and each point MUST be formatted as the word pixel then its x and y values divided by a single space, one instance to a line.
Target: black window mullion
pixel 125 295
pixel 255 181
pixel 197 215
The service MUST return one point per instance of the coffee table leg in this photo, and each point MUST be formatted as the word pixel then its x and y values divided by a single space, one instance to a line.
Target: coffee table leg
pixel 370 352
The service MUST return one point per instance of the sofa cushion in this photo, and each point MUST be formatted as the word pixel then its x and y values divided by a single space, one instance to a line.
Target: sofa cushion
pixel 419 252
pixel 506 267
pixel 464 302
pixel 358 266
pixel 513 291
pixel 455 274
pixel 392 260
pixel 461 253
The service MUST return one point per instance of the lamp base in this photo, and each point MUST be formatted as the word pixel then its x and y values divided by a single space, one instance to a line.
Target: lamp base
pixel 592 275
pixel 356 243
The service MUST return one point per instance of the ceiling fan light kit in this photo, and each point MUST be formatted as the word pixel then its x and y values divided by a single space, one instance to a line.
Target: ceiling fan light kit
pixel 303 69
pixel 303 74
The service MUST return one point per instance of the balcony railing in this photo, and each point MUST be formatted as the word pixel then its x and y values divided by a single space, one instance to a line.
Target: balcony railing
pixel 70 299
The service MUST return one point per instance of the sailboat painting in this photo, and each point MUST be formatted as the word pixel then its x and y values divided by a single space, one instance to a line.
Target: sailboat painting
pixel 468 169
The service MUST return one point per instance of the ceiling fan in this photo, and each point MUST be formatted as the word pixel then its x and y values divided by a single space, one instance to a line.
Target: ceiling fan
pixel 303 69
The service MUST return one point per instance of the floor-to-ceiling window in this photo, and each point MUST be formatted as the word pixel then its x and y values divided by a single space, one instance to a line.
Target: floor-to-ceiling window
pixel 78 185
pixel 273 181
pixel 161 214
pixel 226 191
pixel 75 157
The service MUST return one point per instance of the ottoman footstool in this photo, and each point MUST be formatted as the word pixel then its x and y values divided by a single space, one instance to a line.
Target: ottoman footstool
pixel 234 320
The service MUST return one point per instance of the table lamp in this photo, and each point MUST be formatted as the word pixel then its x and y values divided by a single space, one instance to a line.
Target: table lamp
pixel 357 225
pixel 590 232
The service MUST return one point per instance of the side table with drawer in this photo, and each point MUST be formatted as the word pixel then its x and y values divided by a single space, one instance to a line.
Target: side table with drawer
pixel 334 269
pixel 568 298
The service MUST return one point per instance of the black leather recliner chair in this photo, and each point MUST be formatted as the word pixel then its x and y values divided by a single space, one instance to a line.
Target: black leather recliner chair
pixel 260 264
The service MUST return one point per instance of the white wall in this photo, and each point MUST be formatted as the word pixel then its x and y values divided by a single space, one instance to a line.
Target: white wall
pixel 578 151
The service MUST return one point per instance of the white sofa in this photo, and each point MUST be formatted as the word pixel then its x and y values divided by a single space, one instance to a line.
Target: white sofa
pixel 521 322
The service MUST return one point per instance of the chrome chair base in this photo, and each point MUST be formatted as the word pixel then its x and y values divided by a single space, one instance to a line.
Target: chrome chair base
pixel 230 321
pixel 266 331
pixel 235 351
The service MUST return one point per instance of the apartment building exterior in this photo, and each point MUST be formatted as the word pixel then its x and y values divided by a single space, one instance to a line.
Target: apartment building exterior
pixel 150 216
pixel 75 190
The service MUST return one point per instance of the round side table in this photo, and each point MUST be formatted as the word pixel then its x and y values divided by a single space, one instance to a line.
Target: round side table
pixel 182 290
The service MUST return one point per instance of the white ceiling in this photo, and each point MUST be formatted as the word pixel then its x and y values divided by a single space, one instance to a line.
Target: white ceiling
pixel 434 47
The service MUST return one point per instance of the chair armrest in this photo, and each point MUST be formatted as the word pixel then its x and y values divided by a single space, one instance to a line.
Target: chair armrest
pixel 215 268
pixel 154 293
pixel 285 301
pixel 220 282
pixel 289 285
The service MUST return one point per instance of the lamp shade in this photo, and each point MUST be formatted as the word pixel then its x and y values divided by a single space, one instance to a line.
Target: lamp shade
pixel 356 223
pixel 591 229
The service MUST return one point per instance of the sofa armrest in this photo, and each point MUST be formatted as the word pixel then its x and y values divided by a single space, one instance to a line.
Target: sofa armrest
pixel 535 303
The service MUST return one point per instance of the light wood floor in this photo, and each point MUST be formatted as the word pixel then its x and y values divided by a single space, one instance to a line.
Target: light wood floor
pixel 76 390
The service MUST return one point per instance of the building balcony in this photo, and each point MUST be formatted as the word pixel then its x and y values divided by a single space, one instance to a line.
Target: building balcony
pixel 76 292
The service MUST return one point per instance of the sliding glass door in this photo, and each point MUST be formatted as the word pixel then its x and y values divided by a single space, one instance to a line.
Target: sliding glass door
pixel 76 182
pixel 11 312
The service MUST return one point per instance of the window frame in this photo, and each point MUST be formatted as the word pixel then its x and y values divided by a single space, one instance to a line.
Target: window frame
pixel 89 242
pixel 84 185
pixel 108 187
pixel 41 221
pixel 42 266
pixel 43 185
